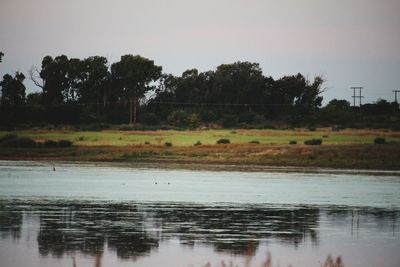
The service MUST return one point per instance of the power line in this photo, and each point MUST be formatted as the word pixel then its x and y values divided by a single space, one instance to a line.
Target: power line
pixel 161 103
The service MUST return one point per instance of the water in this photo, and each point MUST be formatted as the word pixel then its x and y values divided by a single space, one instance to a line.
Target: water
pixel 152 217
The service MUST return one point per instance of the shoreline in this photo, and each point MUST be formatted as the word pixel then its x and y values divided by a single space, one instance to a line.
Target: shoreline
pixel 190 166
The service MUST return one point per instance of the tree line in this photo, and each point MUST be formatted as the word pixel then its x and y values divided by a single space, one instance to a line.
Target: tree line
pixel 136 90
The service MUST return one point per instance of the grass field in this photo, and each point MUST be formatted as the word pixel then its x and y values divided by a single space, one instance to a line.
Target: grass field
pixel 209 137
pixel 340 149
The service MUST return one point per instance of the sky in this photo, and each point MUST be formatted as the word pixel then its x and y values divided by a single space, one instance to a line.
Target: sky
pixel 349 42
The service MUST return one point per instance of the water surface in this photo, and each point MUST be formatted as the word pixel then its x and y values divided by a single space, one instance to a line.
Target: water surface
pixel 154 217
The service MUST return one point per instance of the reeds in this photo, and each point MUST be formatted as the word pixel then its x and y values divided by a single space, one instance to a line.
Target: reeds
pixel 329 262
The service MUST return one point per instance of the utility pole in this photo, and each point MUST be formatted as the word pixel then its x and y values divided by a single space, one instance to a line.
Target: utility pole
pixel 359 96
pixel 395 95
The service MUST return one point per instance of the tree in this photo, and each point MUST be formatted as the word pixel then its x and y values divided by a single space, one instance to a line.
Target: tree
pixel 87 79
pixel 134 75
pixel 12 90
pixel 1 55
pixel 309 99
pixel 54 79
pixel 238 83
pixel 34 99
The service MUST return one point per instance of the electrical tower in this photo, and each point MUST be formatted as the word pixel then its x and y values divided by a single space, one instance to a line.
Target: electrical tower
pixel 359 96
pixel 395 95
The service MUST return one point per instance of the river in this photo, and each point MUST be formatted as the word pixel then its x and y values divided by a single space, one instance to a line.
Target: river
pixel 135 216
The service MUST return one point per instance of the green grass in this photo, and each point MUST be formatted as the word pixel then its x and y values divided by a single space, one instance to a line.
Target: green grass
pixel 344 149
pixel 188 138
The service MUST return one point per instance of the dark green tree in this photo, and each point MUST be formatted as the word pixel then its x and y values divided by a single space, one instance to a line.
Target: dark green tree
pixel 88 79
pixel 13 90
pixel 54 80
pixel 238 83
pixel 34 99
pixel 309 99
pixel 135 76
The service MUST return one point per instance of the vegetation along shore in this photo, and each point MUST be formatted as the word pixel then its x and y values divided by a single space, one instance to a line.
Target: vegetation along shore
pixel 347 148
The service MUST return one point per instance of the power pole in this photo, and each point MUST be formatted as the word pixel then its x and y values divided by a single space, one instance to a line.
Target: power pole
pixel 359 96
pixel 395 95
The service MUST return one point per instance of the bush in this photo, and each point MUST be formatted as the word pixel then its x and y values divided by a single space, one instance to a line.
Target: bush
pixel 193 121
pixel 147 142
pixel 93 126
pixel 229 121
pixel 21 142
pixel 379 140
pixel 254 142
pixel 312 128
pixel 223 141
pixel 168 144
pixel 149 119
pixel 247 117
pixel 7 137
pixel 198 143
pixel 292 142
pixel 50 143
pixel 178 118
pixel 126 127
pixel 313 142
pixel 64 143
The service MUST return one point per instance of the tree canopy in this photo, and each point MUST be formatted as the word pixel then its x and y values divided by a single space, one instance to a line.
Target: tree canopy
pixel 12 90
pixel 134 89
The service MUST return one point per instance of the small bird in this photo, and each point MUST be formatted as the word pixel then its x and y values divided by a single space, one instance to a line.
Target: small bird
pixel 155 182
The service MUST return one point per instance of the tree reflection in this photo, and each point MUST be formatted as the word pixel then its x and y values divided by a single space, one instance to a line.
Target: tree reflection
pixel 134 229
pixel 10 221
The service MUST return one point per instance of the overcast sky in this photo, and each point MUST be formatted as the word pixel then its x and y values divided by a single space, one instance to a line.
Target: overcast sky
pixel 350 42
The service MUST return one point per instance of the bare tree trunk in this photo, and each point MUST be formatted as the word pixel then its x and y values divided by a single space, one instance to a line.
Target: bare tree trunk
pixel 130 110
pixel 133 110
pixel 135 104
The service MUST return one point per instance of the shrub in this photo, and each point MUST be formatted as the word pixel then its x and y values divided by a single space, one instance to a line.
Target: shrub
pixel 229 121
pixel 147 142
pixel 247 117
pixel 336 128
pixel 325 136
pixel 22 142
pixel 7 137
pixel 149 119
pixel 178 118
pixel 93 126
pixel 64 143
pixel 312 128
pixel 292 142
pixel 50 143
pixel 223 141
pixel 198 143
pixel 126 127
pixel 254 142
pixel 313 142
pixel 379 140
pixel 168 144
pixel 193 121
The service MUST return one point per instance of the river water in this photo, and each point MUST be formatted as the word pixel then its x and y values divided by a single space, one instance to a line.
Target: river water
pixel 132 216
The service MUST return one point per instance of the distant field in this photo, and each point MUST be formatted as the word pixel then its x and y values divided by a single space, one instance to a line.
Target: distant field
pixel 208 137
pixel 343 149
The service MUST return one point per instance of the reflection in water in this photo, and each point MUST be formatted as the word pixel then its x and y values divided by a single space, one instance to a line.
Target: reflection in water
pixel 133 229
pixel 10 221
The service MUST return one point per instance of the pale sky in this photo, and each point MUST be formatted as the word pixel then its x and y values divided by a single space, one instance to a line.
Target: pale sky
pixel 350 42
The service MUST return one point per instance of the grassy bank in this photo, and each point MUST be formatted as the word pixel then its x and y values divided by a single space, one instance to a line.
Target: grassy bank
pixel 343 149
